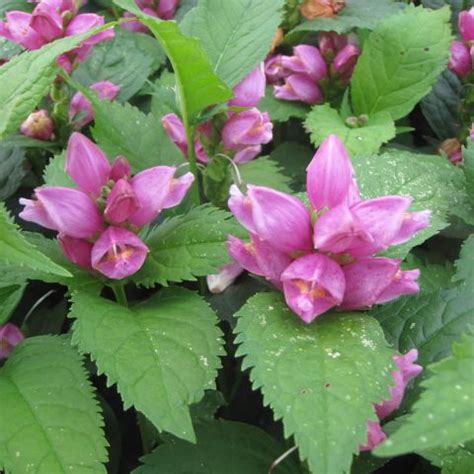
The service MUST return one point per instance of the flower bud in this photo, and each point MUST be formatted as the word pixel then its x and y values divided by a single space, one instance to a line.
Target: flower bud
pixel 121 203
pixel 274 70
pixel 466 24
pixel 167 9
pixel 299 87
pixel 452 149
pixel 306 60
pixel 460 61
pixel 312 9
pixel 251 89
pixel 118 253
pixel 330 43
pixel 76 250
pixel 174 128
pixel 345 61
pixel 120 169
pixel 313 284
pixel 38 125
pixel 219 282
pixel 10 336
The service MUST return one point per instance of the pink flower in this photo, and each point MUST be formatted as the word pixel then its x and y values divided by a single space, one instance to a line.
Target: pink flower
pixel 375 436
pixel 460 61
pixel 330 43
pixel 251 89
pixel 345 61
pixel 274 70
pixel 167 8
pixel 118 253
pixel 121 203
pixel 10 336
pixel 120 169
pixel 38 125
pixel 80 109
pixel 466 24
pixel 174 128
pixel 306 60
pixel 313 284
pixel 299 87
pixel 78 251
pixel 219 282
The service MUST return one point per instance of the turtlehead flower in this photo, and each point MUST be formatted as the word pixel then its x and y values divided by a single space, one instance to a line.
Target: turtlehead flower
pixel 38 125
pixel 306 60
pixel 219 282
pixel 299 87
pixel 251 89
pixel 164 9
pixel 274 70
pixel 460 61
pixel 330 43
pixel 98 221
pixel 466 25
pixel 312 9
pixel 345 61
pixel 375 436
pixel 10 336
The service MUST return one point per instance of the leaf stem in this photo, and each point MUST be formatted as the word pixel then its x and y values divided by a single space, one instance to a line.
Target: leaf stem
pixel 120 295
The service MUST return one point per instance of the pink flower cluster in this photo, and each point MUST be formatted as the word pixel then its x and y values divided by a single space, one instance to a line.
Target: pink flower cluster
pixel 10 336
pixel 462 52
pixel 325 256
pixel 243 133
pixel 99 221
pixel 50 20
pixel 407 370
pixel 298 77
pixel 164 9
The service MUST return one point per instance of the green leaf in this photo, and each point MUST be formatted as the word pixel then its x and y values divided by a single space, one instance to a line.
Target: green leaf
pixel 8 49
pixel 454 460
pixel 465 263
pixel 365 14
pixel 400 62
pixel 216 181
pixel 15 250
pixel 265 172
pixel 50 421
pixel 444 414
pixel 9 5
pixel 281 110
pixel 324 120
pixel 468 157
pixel 55 174
pixel 12 170
pixel 127 61
pixel 222 446
pixel 185 247
pixel 432 181
pixel 343 367
pixel 206 409
pixel 26 78
pixel 441 106
pixel 10 296
pixel 434 276
pixel 162 353
pixel 455 5
pixel 241 35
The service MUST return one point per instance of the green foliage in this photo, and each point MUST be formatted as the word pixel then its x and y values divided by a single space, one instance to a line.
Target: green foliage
pixel 12 170
pixel 455 5
pixel 444 414
pixel 8 5
pixel 127 61
pixel 50 421
pixel 468 156
pixel 10 296
pixel 236 35
pixel 265 172
pixel 321 379
pixel 187 246
pixel 434 276
pixel 54 173
pixel 281 110
pixel 367 139
pixel 453 460
pixel 222 446
pixel 465 263
pixel 400 62
pixel 216 180
pixel 25 80
pixel 162 353
pixel 432 181
pixel 15 250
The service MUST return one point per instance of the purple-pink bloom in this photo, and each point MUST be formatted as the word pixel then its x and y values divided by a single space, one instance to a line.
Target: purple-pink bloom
pixel 118 253
pixel 299 87
pixel 121 203
pixel 345 61
pixel 312 284
pixel 249 91
pixel 120 169
pixel 306 60
pixel 274 70
pixel 375 436
pixel 330 43
pixel 10 336
pixel 466 24
pixel 78 251
pixel 219 282
pixel 174 128
pixel 38 125
pixel 460 61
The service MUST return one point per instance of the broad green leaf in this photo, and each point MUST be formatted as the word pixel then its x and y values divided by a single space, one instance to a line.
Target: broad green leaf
pixel 265 172
pixel 222 447
pixel 465 263
pixel 324 120
pixel 197 84
pixel 444 414
pixel 184 8
pixel 50 421
pixel 26 78
pixel 281 110
pixel 455 5
pixel 434 276
pixel 365 14
pixel 55 174
pixel 185 247
pixel 400 62
pixel 441 106
pixel 162 353
pixel 9 5
pixel 127 61
pixel 468 157
pixel 8 49
pixel 15 250
pixel 10 296
pixel 321 379
pixel 241 33
pixel 454 460
pixel 432 181
pixel 12 170
pixel 206 409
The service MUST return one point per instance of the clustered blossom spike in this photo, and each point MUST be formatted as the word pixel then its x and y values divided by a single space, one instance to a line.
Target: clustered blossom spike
pixel 325 256
pixel 242 134
pixel 98 221
pixel 10 336
pixel 406 371
pixel 164 9
pixel 462 52
pixel 49 21
pixel 302 76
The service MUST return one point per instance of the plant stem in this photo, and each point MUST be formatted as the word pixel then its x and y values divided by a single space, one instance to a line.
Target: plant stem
pixel 192 163
pixel 147 440
pixel 120 296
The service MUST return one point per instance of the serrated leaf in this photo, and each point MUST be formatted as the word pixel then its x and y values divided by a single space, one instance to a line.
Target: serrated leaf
pixel 15 250
pixel 26 78
pixel 281 110
pixel 12 170
pixel 433 183
pixel 222 446
pixel 356 14
pixel 265 172
pixel 343 367
pixel 441 106
pixel 127 61
pixel 434 276
pixel 241 35
pixel 10 296
pixel 324 120
pixel 465 263
pixel 185 247
pixel 468 157
pixel 455 5
pixel 454 460
pixel 54 173
pixel 162 353
pixel 9 5
pixel 400 62
pixel 444 414
pixel 50 421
